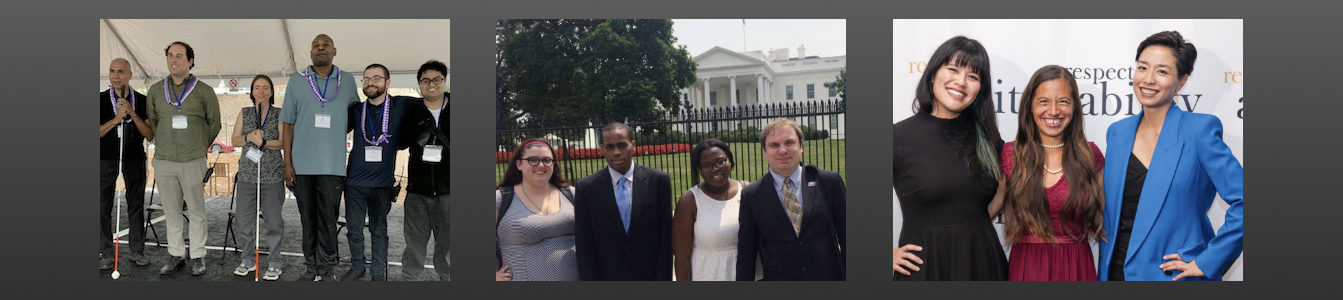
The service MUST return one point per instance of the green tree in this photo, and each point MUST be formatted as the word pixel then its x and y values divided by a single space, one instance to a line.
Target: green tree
pixel 838 84
pixel 601 70
pixel 506 107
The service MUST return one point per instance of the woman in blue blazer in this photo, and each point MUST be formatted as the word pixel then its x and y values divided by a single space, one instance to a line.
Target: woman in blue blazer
pixel 1157 197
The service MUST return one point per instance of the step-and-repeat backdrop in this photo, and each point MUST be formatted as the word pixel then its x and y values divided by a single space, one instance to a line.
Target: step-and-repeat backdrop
pixel 1100 53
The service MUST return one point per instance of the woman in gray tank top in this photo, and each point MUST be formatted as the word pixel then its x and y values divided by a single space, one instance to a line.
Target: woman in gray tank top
pixel 257 132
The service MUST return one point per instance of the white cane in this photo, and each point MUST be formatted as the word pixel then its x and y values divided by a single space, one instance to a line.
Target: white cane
pixel 256 236
pixel 121 154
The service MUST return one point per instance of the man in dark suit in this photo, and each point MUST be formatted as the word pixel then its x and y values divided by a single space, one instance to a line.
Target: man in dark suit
pixel 793 217
pixel 623 216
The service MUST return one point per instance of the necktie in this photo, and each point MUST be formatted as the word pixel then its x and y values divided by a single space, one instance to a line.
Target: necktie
pixel 623 202
pixel 790 204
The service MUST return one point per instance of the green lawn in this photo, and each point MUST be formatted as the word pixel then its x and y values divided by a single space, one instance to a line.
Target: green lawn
pixel 750 164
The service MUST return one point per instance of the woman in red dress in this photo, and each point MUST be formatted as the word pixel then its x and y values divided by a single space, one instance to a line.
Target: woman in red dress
pixel 1052 213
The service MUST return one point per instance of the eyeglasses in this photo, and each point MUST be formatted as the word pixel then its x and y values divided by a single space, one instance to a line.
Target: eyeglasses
pixel 711 167
pixel 435 80
pixel 374 79
pixel 537 161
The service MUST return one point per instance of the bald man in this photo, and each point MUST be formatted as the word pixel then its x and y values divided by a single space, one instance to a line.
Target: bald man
pixel 120 106
pixel 313 125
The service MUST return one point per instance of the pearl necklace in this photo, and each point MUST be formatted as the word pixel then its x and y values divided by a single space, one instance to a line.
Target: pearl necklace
pixel 1052 146
pixel 1053 171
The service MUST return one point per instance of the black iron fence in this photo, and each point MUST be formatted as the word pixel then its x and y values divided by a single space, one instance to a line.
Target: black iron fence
pixel 664 141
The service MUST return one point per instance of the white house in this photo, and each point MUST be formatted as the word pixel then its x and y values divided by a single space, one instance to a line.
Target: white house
pixel 727 78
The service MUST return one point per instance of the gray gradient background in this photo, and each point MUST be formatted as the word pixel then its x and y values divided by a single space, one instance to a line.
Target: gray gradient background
pixel 46 40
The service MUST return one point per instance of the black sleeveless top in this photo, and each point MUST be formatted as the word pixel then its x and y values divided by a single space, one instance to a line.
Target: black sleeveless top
pixel 1133 182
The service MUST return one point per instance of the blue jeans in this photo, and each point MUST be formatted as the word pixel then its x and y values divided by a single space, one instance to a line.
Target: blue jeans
pixel 374 202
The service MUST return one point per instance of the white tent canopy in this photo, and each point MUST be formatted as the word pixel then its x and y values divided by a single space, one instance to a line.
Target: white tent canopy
pixel 242 49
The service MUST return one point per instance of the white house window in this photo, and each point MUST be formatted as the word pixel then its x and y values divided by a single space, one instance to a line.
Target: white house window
pixel 811 91
pixel 713 98
pixel 788 89
pixel 832 91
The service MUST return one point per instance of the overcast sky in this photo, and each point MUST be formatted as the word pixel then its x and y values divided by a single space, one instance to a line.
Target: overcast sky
pixel 821 37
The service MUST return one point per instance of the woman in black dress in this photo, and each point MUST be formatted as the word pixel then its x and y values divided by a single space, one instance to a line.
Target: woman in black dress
pixel 946 174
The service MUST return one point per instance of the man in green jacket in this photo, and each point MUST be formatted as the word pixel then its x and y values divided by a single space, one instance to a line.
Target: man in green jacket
pixel 184 114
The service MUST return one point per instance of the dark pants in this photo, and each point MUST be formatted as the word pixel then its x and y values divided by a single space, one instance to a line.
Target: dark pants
pixel 134 174
pixel 318 204
pixel 426 216
pixel 374 202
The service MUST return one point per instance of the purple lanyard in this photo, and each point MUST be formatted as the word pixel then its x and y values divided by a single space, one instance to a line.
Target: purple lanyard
pixel 321 95
pixel 363 121
pixel 169 96
pixel 112 96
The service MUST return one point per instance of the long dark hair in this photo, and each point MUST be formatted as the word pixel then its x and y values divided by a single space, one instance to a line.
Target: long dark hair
pixel 699 149
pixel 514 175
pixel 966 52
pixel 1026 208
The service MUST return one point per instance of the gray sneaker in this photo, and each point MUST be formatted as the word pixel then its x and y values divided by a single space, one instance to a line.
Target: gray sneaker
pixel 139 258
pixel 272 274
pixel 174 263
pixel 243 269
pixel 198 266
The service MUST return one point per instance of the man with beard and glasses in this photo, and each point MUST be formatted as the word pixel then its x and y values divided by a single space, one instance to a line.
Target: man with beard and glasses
pixel 369 190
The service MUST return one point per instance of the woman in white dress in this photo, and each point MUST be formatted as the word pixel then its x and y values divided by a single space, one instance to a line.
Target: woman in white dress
pixel 704 229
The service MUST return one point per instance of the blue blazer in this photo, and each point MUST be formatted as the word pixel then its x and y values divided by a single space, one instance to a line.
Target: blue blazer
pixel 1190 165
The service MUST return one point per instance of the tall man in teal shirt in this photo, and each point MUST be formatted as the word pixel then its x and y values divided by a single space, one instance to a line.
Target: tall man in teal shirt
pixel 313 126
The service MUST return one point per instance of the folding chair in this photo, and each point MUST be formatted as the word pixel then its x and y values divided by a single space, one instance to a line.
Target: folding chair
pixel 152 207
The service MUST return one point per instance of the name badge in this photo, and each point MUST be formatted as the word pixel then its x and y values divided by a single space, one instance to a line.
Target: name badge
pixel 433 153
pixel 179 122
pixel 811 183
pixel 323 121
pixel 372 154
pixel 254 154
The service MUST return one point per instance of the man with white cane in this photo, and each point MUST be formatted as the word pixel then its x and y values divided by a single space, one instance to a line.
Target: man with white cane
pixel 121 153
pixel 261 173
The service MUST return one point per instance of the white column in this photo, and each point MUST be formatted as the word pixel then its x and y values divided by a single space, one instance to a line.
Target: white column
pixel 769 91
pixel 706 92
pixel 759 88
pixel 732 89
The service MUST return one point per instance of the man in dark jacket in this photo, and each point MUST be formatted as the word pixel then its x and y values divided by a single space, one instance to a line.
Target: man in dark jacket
pixel 425 132
pixel 793 217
